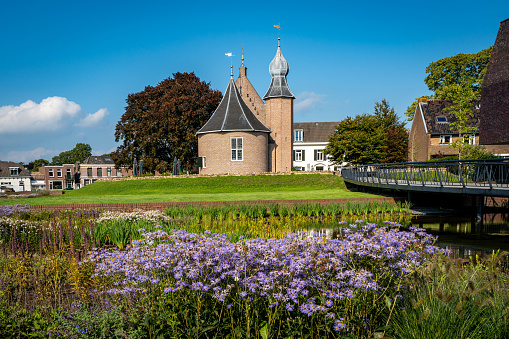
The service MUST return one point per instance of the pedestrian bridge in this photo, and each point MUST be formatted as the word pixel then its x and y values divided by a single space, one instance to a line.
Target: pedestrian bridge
pixel 472 177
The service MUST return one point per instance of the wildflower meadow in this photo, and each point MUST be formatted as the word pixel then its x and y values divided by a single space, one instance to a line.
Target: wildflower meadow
pixel 244 272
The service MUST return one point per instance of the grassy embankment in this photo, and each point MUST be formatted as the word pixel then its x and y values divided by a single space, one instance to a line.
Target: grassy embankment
pixel 225 188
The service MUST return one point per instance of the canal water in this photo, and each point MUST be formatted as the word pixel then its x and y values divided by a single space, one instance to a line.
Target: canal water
pixel 457 233
pixel 463 237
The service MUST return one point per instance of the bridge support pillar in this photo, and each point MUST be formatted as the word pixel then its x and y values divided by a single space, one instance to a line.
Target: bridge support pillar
pixel 480 207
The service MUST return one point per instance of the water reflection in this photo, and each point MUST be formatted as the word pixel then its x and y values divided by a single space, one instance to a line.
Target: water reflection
pixel 461 235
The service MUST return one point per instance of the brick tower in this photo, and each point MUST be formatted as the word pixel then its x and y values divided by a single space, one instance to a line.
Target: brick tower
pixel 494 125
pixel 279 114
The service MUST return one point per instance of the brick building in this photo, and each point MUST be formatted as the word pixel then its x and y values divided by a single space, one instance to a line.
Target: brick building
pixel 59 177
pixel 431 134
pixel 94 168
pixel 246 134
pixel 494 125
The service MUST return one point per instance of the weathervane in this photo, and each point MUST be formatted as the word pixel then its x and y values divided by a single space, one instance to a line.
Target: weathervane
pixel 231 62
pixel 279 33
pixel 242 55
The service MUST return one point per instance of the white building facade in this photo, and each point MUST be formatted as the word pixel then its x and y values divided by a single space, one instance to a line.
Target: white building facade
pixel 309 141
pixel 14 177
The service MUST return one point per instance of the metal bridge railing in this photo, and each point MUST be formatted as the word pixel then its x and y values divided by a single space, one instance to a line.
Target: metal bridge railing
pixel 488 173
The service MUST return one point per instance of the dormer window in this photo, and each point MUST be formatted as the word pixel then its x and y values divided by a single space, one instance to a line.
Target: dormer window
pixel 442 120
pixel 298 134
pixel 14 171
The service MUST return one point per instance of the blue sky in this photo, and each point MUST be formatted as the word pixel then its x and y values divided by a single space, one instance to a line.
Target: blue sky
pixel 67 67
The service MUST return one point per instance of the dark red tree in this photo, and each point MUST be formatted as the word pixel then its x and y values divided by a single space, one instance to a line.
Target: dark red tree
pixel 161 122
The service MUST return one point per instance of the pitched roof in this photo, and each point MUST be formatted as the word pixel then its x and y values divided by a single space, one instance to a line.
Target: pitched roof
pixel 98 160
pixel 315 131
pixel 233 114
pixel 433 109
pixel 5 169
pixel 498 67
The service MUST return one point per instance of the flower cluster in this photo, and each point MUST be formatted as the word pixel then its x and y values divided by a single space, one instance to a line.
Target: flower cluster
pixel 13 209
pixel 304 274
pixel 153 216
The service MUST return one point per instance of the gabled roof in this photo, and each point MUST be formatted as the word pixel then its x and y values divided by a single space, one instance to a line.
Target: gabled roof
pixel 435 108
pixel 5 170
pixel 315 131
pixel 498 67
pixel 233 114
pixel 98 160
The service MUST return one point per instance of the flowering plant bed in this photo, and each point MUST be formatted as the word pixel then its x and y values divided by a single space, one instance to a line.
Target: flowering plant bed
pixel 269 287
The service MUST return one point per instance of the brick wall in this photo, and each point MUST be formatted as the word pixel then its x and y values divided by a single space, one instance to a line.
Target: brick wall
pixel 250 96
pixel 494 124
pixel 127 207
pixel 280 120
pixel 418 140
pixel 216 147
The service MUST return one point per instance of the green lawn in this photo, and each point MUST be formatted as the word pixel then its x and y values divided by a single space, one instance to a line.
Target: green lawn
pixel 224 188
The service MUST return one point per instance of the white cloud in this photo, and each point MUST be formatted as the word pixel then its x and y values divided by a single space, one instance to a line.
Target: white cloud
pixel 27 156
pixel 101 152
pixel 307 101
pixel 49 115
pixel 93 119
pixel 52 114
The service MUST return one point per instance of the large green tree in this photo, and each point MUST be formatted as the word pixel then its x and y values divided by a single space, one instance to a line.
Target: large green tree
pixel 445 75
pixel 161 122
pixel 78 154
pixel 366 139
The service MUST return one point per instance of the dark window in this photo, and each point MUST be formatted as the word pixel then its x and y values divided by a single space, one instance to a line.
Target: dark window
pixel 99 172
pixel 89 172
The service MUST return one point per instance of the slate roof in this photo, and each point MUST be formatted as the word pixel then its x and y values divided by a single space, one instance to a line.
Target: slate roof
pixel 98 160
pixel 435 108
pixel 5 170
pixel 278 69
pixel 233 114
pixel 498 67
pixel 315 131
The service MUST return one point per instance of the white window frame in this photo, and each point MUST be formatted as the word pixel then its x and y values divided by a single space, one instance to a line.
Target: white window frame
pixel 298 135
pixel 108 171
pixel 14 171
pixel 320 156
pixel 203 162
pixel 51 174
pixel 298 155
pixel 443 139
pixel 237 152
pixel 471 139
pixel 59 172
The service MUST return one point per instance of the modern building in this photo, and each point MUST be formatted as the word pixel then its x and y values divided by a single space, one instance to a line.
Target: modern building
pixel 14 177
pixel 309 141
pixel 246 134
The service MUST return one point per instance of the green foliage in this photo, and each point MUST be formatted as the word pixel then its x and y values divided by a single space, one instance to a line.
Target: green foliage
pixel 456 70
pixel 410 111
pixel 78 154
pixel 38 163
pixel 366 139
pixel 478 152
pixel 448 300
pixel 460 73
pixel 161 122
